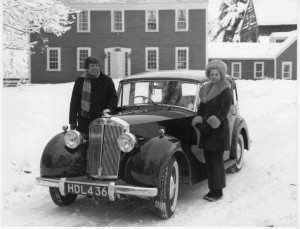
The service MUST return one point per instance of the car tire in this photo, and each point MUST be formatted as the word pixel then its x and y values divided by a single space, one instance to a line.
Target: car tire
pixel 238 155
pixel 166 201
pixel 60 200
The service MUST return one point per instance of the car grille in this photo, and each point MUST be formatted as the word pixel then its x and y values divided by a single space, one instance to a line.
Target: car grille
pixel 103 156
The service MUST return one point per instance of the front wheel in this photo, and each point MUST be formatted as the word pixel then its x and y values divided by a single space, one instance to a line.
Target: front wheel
pixel 166 201
pixel 238 155
pixel 60 200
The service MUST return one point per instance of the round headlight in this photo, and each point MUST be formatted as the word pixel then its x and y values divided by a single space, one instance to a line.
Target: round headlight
pixel 73 139
pixel 127 142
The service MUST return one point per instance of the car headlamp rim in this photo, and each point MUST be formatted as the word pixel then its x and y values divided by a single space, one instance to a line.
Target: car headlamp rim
pixel 73 139
pixel 127 142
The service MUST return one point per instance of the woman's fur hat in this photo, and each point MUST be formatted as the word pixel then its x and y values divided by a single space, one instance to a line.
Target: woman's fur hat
pixel 219 65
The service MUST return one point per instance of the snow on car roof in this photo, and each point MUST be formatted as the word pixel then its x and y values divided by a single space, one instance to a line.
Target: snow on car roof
pixel 193 75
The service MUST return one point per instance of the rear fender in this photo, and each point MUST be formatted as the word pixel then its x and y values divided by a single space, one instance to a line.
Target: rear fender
pixel 240 126
pixel 148 164
pixel 60 161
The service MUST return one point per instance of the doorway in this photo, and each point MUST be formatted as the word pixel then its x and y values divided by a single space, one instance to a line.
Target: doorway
pixel 117 62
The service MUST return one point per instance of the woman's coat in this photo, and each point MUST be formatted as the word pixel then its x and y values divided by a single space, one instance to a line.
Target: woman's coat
pixel 219 106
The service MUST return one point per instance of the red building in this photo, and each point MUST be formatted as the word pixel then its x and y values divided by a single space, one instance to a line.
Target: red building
pixel 129 37
pixel 259 60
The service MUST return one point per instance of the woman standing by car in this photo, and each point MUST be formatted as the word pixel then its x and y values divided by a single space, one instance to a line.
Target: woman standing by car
pixel 211 119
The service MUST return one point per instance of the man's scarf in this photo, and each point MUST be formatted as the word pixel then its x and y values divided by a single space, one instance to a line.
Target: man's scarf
pixel 210 90
pixel 86 93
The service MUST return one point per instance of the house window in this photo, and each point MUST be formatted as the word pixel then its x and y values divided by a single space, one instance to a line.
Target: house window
pixel 117 21
pixel 182 21
pixel 53 59
pixel 151 21
pixel 258 70
pixel 236 70
pixel 83 21
pixel 152 59
pixel 286 70
pixel 182 58
pixel 82 54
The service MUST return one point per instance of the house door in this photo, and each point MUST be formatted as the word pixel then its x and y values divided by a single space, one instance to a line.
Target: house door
pixel 117 62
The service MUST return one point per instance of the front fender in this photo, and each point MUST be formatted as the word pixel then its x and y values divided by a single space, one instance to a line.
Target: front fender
pixel 147 165
pixel 59 161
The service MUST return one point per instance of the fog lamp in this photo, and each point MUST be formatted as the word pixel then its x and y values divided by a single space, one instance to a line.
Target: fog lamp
pixel 73 139
pixel 127 142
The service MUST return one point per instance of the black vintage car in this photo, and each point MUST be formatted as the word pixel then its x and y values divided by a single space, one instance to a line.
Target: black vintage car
pixel 145 148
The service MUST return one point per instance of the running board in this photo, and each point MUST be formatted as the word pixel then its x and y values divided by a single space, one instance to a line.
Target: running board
pixel 229 163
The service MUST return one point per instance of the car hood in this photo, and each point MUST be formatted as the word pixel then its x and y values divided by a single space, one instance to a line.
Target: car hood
pixel 141 117
pixel 146 124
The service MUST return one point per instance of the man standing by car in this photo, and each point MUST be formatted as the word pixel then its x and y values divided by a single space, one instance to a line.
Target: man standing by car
pixel 93 94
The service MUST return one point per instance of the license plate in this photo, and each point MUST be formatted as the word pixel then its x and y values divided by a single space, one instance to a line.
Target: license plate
pixel 84 189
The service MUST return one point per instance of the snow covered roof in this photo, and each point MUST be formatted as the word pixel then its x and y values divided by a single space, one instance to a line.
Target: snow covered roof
pixel 133 1
pixel 244 50
pixel 106 4
pixel 263 39
pixel 229 50
pixel 275 12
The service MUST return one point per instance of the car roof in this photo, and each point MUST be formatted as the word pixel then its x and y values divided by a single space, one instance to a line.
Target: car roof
pixel 189 75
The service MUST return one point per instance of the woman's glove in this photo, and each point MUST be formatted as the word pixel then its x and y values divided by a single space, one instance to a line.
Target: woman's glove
pixel 214 122
pixel 197 119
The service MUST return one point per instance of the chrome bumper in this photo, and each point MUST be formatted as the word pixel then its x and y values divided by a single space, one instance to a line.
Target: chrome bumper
pixel 113 188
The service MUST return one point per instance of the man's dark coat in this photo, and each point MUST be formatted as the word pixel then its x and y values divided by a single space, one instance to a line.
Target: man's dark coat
pixel 103 96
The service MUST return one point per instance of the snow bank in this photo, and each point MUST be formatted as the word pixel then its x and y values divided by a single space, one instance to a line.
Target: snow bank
pixel 264 193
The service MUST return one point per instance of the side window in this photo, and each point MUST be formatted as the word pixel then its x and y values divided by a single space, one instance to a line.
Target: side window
pixel 83 21
pixel 53 59
pixel 117 21
pixel 286 70
pixel 182 58
pixel 182 20
pixel 151 21
pixel 82 54
pixel 258 70
pixel 152 59
pixel 236 70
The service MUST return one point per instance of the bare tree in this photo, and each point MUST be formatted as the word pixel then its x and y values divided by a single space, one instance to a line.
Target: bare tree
pixel 225 25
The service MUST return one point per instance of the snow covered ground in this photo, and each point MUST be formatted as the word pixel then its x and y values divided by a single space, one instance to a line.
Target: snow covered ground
pixel 262 194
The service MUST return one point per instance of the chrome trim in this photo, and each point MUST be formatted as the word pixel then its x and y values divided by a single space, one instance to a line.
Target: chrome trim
pixel 113 189
pixel 197 98
pixel 123 123
pixel 61 186
pixel 136 191
pixel 54 183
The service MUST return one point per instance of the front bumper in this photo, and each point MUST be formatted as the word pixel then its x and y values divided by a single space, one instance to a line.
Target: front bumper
pixel 114 187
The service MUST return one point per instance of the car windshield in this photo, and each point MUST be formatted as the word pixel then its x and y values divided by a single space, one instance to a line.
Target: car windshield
pixel 163 92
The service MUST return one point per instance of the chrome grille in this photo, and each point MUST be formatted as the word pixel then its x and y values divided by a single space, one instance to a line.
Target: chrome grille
pixel 103 155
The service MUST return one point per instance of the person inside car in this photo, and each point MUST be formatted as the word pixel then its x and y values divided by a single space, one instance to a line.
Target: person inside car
pixel 172 93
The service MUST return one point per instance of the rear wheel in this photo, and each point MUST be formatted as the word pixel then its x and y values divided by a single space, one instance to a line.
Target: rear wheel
pixel 166 201
pixel 238 155
pixel 60 200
